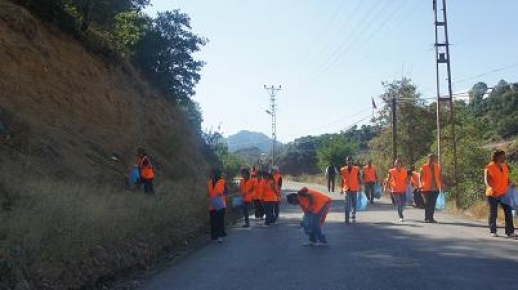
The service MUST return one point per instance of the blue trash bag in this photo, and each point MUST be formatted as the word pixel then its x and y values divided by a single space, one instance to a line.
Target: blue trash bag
pixel 362 201
pixel 217 202
pixel 441 201
pixel 134 176
pixel 237 201
pixel 409 193
pixel 377 191
pixel 510 197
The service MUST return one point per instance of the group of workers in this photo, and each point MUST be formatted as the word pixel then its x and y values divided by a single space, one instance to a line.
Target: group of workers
pixel 259 188
pixel 427 184
pixel 263 190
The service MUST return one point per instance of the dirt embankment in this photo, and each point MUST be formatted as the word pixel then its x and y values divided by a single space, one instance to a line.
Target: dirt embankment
pixel 70 124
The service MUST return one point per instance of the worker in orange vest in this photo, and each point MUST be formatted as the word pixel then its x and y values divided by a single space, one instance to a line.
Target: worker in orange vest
pixel 496 178
pixel 370 177
pixel 216 190
pixel 277 178
pixel 257 196
pixel 397 181
pixel 270 198
pixel 315 206
pixel 350 185
pixel 246 188
pixel 146 171
pixel 430 185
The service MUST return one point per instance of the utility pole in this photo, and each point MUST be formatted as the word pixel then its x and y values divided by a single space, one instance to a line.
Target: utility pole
pixel 394 129
pixel 442 57
pixel 272 91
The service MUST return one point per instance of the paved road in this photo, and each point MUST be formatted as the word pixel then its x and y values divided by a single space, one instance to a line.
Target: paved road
pixel 378 252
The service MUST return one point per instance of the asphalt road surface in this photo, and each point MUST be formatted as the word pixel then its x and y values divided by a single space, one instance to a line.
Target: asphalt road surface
pixel 378 252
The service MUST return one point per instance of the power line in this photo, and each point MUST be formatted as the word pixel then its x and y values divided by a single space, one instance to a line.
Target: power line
pixel 334 122
pixel 323 30
pixel 338 50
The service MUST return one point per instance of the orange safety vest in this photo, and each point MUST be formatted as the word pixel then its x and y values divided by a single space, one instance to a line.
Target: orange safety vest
pixel 259 189
pixel 269 193
pixel 216 189
pixel 146 171
pixel 426 177
pixel 415 180
pixel 498 179
pixel 369 174
pixel 319 201
pixel 350 179
pixel 397 180
pixel 247 188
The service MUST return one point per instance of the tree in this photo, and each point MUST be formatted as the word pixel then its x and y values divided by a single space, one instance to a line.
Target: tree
pixel 471 156
pixel 334 148
pixel 477 92
pixel 165 54
pixel 415 121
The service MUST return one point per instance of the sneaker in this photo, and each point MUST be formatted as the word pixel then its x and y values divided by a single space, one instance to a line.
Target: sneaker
pixel 401 219
pixel 427 221
pixel 220 240
pixel 511 235
pixel 494 235
pixel 433 221
pixel 309 244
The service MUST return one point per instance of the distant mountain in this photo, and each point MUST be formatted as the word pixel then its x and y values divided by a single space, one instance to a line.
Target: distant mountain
pixel 247 139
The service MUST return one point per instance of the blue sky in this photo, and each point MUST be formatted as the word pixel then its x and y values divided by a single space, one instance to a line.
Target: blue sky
pixel 330 56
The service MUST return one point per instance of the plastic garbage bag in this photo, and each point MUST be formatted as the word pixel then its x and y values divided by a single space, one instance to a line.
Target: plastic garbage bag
pixel 511 197
pixel 409 193
pixel 217 203
pixel 441 201
pixel 377 191
pixel 237 201
pixel 134 176
pixel 362 201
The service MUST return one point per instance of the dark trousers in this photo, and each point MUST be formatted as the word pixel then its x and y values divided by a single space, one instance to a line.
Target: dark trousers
pixel 276 210
pixel 217 224
pixel 493 207
pixel 369 191
pixel 400 200
pixel 315 225
pixel 148 186
pixel 430 199
pixel 246 208
pixel 268 211
pixel 259 209
pixel 331 184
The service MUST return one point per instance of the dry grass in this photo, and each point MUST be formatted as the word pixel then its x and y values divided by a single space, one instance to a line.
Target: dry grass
pixel 305 178
pixel 65 236
pixel 480 211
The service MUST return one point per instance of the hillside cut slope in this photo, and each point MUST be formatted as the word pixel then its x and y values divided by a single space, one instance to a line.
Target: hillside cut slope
pixel 70 125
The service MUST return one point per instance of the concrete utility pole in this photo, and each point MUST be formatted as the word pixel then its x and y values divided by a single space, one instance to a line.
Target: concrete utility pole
pixel 272 91
pixel 442 57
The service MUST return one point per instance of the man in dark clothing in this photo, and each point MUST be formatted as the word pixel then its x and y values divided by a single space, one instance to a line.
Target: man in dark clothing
pixel 331 173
